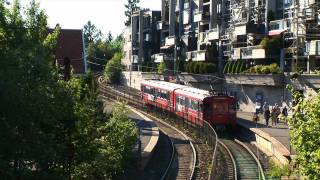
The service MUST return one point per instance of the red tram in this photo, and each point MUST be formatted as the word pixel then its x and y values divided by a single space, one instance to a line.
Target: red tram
pixel 193 104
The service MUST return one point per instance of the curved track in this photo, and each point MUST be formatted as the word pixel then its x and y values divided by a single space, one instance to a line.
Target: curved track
pixel 183 162
pixel 228 163
pixel 247 165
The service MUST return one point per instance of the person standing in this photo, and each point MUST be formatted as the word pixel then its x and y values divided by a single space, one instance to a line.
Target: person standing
pixel 285 114
pixel 267 116
pixel 274 117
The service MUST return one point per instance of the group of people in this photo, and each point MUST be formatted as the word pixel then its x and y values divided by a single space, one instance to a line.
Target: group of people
pixel 275 113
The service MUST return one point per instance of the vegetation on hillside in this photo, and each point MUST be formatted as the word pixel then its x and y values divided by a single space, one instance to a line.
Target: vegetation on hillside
pixel 201 67
pixel 265 69
pixel 112 72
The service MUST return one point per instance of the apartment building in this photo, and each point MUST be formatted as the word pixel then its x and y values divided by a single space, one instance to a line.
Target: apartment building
pixel 255 31
pixel 298 23
pixel 142 39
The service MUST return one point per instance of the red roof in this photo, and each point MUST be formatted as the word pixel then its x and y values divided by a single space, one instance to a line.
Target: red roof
pixel 70 45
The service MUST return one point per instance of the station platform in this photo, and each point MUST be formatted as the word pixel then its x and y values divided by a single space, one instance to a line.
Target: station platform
pixel 147 130
pixel 272 140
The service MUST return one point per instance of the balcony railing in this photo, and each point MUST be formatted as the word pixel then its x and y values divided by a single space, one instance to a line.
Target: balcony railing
pixel 201 16
pixel 170 40
pixel 313 48
pixel 252 52
pixel 213 34
pixel 197 55
pixel 158 58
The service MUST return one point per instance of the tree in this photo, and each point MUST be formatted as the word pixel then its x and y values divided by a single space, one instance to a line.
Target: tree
pixel 109 37
pixel 161 67
pixel 50 127
pixel 305 124
pixel 91 33
pixel 113 69
pixel 131 6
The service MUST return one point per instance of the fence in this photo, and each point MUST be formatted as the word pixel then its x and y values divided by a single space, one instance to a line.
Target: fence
pixel 201 129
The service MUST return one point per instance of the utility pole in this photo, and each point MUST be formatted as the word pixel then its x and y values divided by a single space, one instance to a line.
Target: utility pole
pixel 131 55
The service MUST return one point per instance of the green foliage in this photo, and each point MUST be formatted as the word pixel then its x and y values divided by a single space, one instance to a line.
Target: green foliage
pixel 112 72
pixel 49 126
pixel 265 69
pixel 276 172
pixel 201 67
pixel 131 6
pixel 272 46
pixel 226 67
pixel 234 67
pixel 230 67
pixel 161 67
pixel 305 125
pixel 91 33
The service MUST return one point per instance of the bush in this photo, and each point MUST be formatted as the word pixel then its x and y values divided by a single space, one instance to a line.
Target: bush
pixel 226 67
pixel 230 67
pixel 211 68
pixel 161 67
pixel 265 69
pixel 196 68
pixel 112 72
pixel 241 67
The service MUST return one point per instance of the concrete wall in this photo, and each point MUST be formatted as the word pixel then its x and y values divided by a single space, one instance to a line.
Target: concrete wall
pixel 246 94
pixel 137 77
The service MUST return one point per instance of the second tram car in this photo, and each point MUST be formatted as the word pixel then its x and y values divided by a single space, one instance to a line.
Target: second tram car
pixel 193 104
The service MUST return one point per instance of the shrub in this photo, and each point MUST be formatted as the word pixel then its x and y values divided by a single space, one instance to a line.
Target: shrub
pixel 161 67
pixel 258 69
pixel 265 70
pixel 230 67
pixel 203 68
pixel 234 67
pixel 226 67
pixel 196 68
pixel 211 68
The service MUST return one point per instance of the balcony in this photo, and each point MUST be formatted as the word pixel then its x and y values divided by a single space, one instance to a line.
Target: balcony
pixel 201 16
pixel 170 41
pixel 278 26
pixel 253 52
pixel 196 55
pixel 250 52
pixel 161 25
pixel 314 48
pixel 213 34
pixel 158 58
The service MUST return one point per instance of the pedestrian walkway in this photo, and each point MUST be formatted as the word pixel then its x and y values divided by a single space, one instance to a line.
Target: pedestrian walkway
pixel 274 139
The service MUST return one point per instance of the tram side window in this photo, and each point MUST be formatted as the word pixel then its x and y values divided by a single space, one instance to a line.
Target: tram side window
pixel 194 105
pixel 162 94
pixel 148 90
pixel 180 100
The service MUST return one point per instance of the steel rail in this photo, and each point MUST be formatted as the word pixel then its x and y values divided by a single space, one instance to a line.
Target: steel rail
pixel 255 158
pixel 232 159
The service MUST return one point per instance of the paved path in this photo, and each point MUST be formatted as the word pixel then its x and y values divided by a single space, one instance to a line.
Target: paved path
pixel 279 132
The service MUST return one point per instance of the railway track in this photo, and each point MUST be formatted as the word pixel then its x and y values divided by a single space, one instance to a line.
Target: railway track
pixel 183 159
pixel 239 161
